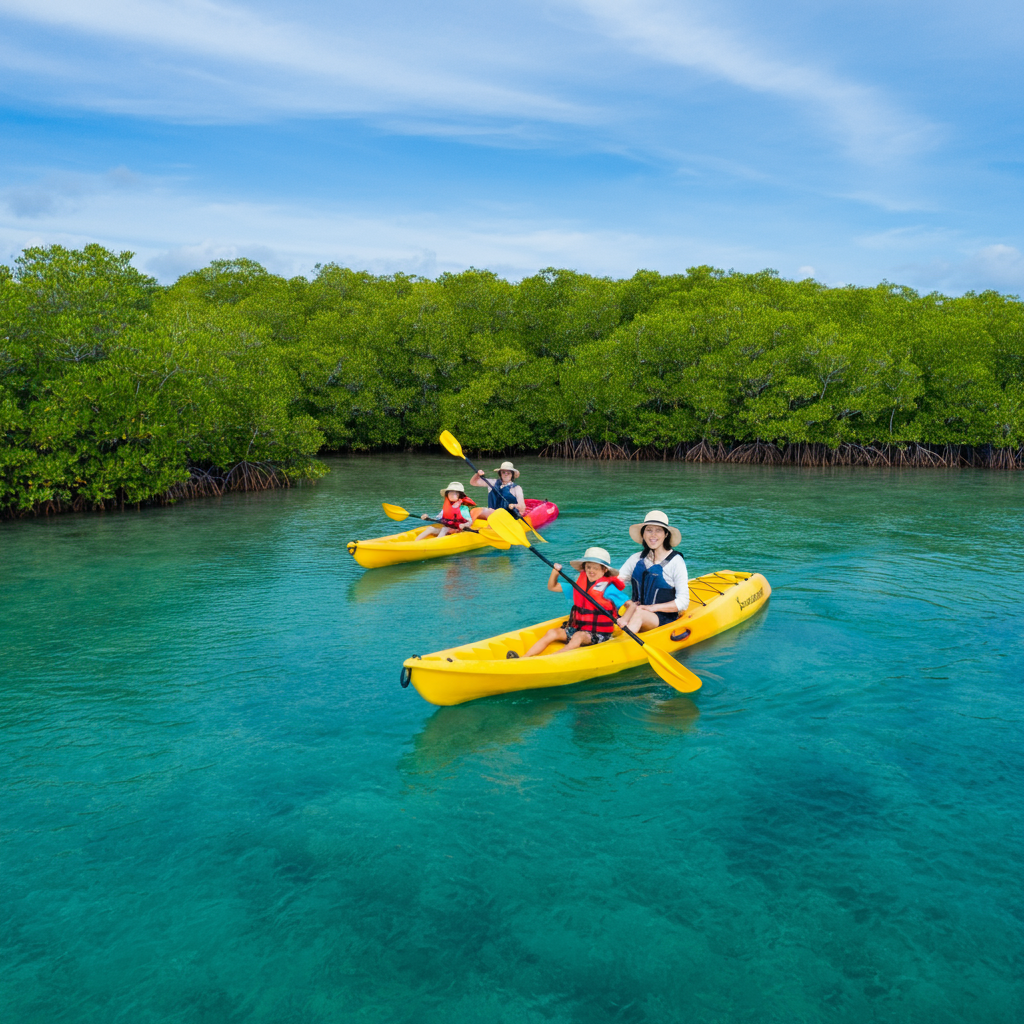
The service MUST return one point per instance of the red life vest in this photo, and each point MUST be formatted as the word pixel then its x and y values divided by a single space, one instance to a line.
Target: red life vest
pixel 450 514
pixel 584 615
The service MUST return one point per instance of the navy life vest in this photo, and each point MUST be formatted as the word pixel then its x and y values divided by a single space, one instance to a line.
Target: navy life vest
pixel 451 516
pixel 584 615
pixel 506 498
pixel 649 585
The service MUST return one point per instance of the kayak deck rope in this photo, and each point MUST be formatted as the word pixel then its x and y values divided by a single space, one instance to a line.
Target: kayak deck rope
pixel 728 583
pixel 714 590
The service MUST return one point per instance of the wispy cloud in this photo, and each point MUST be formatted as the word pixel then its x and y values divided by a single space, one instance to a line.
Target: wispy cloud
pixel 908 237
pixel 872 128
pixel 61 194
pixel 964 262
pixel 173 231
pixel 601 134
pixel 996 266
pixel 353 74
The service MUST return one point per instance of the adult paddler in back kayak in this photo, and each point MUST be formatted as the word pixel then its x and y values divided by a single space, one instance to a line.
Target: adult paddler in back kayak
pixel 502 491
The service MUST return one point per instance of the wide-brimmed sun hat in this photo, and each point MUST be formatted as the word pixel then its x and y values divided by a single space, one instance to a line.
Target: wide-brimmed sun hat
pixel 598 555
pixel 453 486
pixel 658 518
pixel 508 465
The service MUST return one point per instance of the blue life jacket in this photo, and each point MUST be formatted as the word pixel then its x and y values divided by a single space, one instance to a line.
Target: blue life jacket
pixel 505 490
pixel 649 585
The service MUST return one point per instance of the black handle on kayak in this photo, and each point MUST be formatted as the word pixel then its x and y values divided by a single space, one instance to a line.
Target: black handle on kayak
pixel 580 590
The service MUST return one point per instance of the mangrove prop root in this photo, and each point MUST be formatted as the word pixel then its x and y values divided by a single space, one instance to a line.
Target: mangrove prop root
pixel 764 453
pixel 202 482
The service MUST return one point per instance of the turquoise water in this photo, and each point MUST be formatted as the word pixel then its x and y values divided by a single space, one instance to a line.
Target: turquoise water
pixel 219 805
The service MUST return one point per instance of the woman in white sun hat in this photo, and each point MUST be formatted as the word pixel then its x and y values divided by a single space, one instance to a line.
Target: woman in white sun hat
pixel 585 625
pixel 503 491
pixel 657 575
pixel 456 512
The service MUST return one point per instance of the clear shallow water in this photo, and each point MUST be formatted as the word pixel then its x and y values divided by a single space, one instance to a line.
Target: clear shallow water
pixel 218 805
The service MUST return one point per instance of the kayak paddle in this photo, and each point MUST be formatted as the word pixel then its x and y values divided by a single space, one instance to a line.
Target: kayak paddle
pixel 453 447
pixel 664 664
pixel 398 513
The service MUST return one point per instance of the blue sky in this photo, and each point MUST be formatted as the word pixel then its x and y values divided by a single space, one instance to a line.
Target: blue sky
pixel 846 142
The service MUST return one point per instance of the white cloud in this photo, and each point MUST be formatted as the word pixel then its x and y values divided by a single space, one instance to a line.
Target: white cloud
pixel 871 126
pixel 173 229
pixel 173 232
pixel 220 60
pixel 1003 265
pixel 907 238
pixel 61 193
pixel 172 263
pixel 313 69
pixel 962 266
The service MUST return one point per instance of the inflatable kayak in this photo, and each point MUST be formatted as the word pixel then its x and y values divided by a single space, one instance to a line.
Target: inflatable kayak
pixel 403 547
pixel 718 601
pixel 540 512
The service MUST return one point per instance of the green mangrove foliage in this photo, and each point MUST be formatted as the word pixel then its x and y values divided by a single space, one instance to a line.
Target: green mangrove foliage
pixel 114 389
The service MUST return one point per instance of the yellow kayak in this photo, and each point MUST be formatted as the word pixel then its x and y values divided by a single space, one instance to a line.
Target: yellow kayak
pixel 403 547
pixel 718 601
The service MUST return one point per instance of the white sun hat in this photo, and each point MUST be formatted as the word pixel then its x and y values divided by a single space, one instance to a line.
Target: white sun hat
pixel 598 555
pixel 508 465
pixel 659 519
pixel 453 486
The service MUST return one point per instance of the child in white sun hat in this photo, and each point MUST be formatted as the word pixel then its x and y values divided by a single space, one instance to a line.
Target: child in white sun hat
pixel 456 512
pixel 656 574
pixel 585 625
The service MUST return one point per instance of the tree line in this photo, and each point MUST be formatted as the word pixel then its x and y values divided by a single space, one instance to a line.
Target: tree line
pixel 114 389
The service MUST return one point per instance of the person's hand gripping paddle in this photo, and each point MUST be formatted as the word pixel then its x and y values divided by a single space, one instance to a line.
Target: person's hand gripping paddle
pixel 453 447
pixel 664 664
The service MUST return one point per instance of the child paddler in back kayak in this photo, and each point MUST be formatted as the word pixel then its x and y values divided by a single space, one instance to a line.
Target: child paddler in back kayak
pixel 457 512
pixel 502 490
pixel 586 625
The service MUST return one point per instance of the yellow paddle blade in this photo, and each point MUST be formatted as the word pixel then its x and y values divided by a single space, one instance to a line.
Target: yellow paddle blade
pixel 492 538
pixel 533 531
pixel 502 523
pixel 451 444
pixel 671 671
pixel 395 512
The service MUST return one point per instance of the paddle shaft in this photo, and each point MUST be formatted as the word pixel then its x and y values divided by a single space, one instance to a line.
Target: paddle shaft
pixel 579 589
pixel 434 519
pixel 461 529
